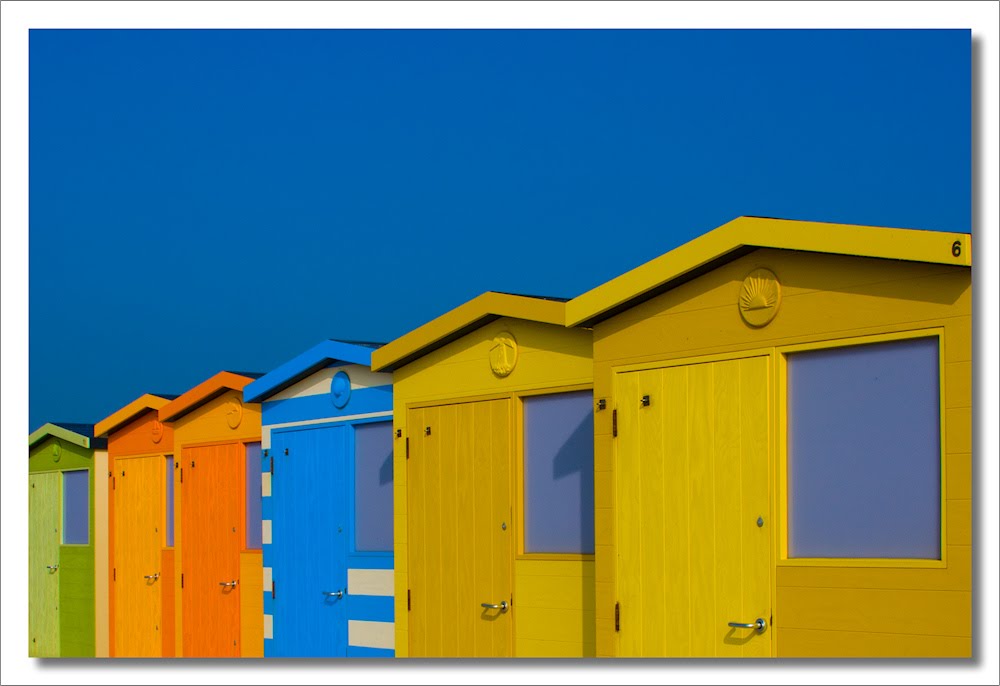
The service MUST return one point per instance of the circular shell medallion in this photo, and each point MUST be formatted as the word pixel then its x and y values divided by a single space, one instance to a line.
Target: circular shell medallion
pixel 503 354
pixel 340 389
pixel 234 412
pixel 156 431
pixel 56 450
pixel 760 297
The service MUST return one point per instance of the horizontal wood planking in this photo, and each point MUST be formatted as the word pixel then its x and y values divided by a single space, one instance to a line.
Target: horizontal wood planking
pixel 895 611
pixel 819 643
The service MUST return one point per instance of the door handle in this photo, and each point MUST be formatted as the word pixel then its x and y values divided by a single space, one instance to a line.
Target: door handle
pixel 333 594
pixel 493 606
pixel 760 625
pixel 230 584
pixel 154 577
pixel 52 568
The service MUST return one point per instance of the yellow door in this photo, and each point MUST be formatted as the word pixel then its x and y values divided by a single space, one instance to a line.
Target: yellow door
pixel 138 489
pixel 693 515
pixel 460 530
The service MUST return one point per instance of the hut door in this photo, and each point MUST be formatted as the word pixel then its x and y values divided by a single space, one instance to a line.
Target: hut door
pixel 693 519
pixel 211 538
pixel 138 488
pixel 44 506
pixel 309 534
pixel 460 531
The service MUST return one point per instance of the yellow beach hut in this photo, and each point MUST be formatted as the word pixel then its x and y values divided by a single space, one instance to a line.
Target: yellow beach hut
pixel 493 468
pixel 786 467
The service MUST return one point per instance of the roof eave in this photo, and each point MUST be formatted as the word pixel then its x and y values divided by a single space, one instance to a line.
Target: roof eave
pixel 204 392
pixel 745 234
pixel 55 431
pixel 462 320
pixel 145 403
pixel 309 362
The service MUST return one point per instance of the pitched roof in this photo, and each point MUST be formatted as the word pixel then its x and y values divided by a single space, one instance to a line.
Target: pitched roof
pixel 204 392
pixel 746 234
pixel 314 359
pixel 463 319
pixel 144 403
pixel 78 434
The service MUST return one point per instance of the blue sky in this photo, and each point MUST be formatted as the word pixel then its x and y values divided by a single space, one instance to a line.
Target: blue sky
pixel 206 200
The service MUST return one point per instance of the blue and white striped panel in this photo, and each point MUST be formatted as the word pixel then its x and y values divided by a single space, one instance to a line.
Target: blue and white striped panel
pixel 371 611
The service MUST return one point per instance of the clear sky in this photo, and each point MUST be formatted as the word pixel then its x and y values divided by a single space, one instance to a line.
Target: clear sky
pixel 206 200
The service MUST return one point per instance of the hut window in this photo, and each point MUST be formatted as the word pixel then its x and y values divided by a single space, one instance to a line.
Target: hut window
pixel 373 487
pixel 253 523
pixel 169 504
pixel 864 451
pixel 76 507
pixel 559 473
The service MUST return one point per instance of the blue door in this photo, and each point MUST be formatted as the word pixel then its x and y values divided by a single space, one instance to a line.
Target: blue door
pixel 309 535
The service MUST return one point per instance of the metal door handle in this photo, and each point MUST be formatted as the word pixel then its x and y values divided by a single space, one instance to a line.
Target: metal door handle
pixel 228 583
pixel 492 606
pixel 333 594
pixel 154 577
pixel 759 625
pixel 52 568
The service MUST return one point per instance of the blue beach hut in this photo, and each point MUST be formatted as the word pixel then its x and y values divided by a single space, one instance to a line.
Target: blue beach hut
pixel 326 505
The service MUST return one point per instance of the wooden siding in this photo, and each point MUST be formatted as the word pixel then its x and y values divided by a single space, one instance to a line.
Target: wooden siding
pixel 549 357
pixel 824 298
pixel 207 425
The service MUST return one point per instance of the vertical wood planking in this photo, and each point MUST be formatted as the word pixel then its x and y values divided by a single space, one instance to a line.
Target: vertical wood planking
pixel 755 425
pixel 44 526
pixel 482 545
pixel 677 515
pixel 629 571
pixel 503 537
pixel 728 558
pixel 702 486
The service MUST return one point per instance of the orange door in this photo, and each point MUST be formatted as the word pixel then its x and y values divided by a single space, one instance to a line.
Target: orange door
pixel 138 489
pixel 211 539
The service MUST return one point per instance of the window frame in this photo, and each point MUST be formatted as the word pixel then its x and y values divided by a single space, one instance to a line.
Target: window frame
pixel 62 507
pixel 351 489
pixel 782 352
pixel 519 473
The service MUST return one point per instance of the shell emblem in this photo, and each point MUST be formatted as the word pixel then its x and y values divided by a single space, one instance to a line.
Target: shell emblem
pixel 503 354
pixel 56 450
pixel 340 389
pixel 760 297
pixel 156 431
pixel 234 413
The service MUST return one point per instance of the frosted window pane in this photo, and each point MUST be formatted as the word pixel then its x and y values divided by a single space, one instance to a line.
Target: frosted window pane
pixel 559 473
pixel 864 451
pixel 253 524
pixel 373 487
pixel 76 507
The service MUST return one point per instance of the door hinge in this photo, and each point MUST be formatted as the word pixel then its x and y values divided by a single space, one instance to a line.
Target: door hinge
pixel 114 574
pixel 618 617
pixel 272 465
pixel 182 474
pixel 614 422
pixel 407 447
pixel 408 605
pixel 182 580
pixel 273 586
pixel 114 484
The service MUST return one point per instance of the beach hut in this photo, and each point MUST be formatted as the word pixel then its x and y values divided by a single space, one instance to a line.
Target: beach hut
pixel 218 602
pixel 62 618
pixel 784 466
pixel 327 504
pixel 493 457
pixel 140 566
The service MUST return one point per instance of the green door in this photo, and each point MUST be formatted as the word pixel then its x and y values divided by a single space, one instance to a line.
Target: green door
pixel 44 505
